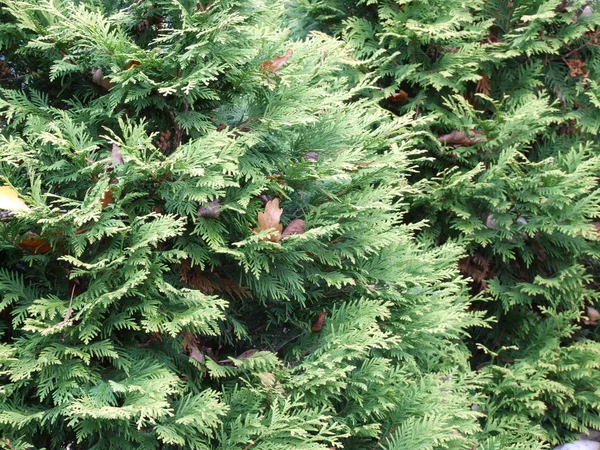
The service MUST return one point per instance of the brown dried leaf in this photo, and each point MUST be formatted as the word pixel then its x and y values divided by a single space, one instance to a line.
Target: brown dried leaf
pixel 270 220
pixel 296 226
pixel 265 198
pixel 277 62
pixel 483 85
pixel 460 139
pixel 211 210
pixel 398 97
pixel 203 8
pixel 587 11
pixel 196 354
pixel 592 314
pixel 191 346
pixel 34 243
pixel 4 69
pixel 107 198
pixel 98 78
pixel 577 68
pixel 355 167
pixel 450 49
pixel 319 323
pixel 364 164
pixel 492 39
pixel 132 63
pixel 115 155
pixel 476 267
pixel 143 25
pixel 311 156
pixel 491 222
pixel 247 354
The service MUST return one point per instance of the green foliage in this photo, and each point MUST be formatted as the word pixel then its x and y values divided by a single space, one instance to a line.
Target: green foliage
pixel 508 92
pixel 143 304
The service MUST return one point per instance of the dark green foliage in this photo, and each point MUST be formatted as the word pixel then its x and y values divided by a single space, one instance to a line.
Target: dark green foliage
pixel 510 94
pixel 142 304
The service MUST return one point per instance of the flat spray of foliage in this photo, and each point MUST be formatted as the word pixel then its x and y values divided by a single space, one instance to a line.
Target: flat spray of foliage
pixel 510 91
pixel 203 246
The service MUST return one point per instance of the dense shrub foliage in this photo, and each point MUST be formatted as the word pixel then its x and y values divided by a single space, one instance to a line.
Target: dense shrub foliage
pixel 203 244
pixel 298 225
pixel 510 92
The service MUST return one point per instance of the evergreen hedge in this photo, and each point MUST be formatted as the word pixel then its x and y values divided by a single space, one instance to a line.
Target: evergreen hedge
pixel 203 244
pixel 510 91
pixel 242 224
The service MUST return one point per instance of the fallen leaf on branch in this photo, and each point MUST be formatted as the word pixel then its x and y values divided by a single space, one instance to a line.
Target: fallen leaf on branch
pixel 191 346
pixel 478 268
pixel 450 49
pixel 460 138
pixel 398 97
pixel 277 62
pixel 107 198
pixel 211 210
pixel 270 220
pixel 586 12
pixel 115 155
pixel 577 68
pixel 311 156
pixel 201 7
pixel 98 78
pixel 265 198
pixel 143 25
pixel 10 200
pixel 247 354
pixel 196 354
pixel 319 323
pixel 132 63
pixel 491 222
pixel 296 226
pixel 483 85
pixel 492 39
pixel 593 316
pixel 34 243
pixel 355 167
